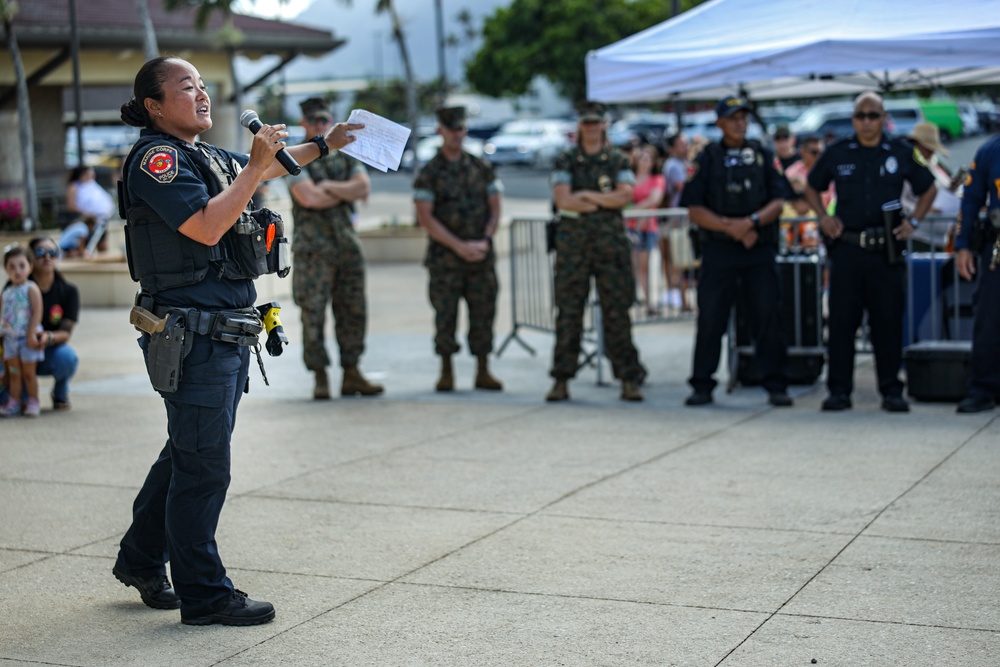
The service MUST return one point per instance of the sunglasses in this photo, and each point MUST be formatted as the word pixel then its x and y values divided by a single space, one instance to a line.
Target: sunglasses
pixel 43 252
pixel 321 120
pixel 870 115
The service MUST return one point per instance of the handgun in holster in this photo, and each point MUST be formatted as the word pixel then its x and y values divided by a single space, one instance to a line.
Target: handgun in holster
pixel 166 352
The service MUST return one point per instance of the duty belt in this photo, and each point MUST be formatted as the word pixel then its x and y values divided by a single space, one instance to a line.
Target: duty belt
pixel 240 326
pixel 872 239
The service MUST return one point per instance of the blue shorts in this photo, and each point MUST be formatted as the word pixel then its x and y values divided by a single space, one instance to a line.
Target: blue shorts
pixel 14 348
pixel 643 241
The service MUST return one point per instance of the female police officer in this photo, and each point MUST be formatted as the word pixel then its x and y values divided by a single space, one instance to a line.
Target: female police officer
pixel 183 202
pixel 591 183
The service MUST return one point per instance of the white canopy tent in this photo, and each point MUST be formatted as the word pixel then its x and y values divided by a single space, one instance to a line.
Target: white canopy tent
pixel 770 49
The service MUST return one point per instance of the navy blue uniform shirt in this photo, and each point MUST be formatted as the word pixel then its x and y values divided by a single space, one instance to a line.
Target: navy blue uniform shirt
pixel 983 181
pixel 736 161
pixel 867 177
pixel 165 177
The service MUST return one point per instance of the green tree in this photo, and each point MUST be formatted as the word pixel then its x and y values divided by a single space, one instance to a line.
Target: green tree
pixel 389 7
pixel 551 39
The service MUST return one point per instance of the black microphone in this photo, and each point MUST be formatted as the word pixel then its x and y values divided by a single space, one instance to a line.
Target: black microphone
pixel 250 120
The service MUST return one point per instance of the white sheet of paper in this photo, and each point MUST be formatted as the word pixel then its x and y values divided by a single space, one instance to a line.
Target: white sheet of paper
pixel 380 143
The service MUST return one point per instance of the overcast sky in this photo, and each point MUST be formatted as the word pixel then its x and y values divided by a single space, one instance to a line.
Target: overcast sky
pixel 370 52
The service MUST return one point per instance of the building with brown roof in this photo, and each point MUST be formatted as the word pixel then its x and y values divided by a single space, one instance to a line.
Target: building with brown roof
pixel 110 53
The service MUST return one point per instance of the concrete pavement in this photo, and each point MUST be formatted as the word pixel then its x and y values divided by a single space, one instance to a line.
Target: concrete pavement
pixel 494 529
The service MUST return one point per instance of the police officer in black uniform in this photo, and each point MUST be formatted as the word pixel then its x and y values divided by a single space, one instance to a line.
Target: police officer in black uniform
pixel 188 246
pixel 981 188
pixel 866 269
pixel 735 196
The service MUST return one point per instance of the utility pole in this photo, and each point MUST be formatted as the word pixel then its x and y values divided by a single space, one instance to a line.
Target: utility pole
pixel 442 73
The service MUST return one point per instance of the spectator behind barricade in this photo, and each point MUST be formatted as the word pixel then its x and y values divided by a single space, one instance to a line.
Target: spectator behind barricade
pixel 643 232
pixel 675 246
pixel 86 197
pixel 805 233
pixel 20 321
pixel 927 143
pixel 784 147
pixel 591 183
pixel 60 313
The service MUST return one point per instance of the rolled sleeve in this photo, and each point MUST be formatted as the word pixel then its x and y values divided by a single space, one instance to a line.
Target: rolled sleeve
pixel 421 194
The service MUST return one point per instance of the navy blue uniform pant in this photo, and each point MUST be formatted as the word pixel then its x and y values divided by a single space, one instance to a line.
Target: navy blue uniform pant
pixel 864 281
pixel 176 513
pixel 984 372
pixel 724 266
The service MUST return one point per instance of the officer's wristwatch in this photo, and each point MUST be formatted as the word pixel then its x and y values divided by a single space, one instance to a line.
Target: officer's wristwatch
pixel 914 222
pixel 320 141
pixel 755 219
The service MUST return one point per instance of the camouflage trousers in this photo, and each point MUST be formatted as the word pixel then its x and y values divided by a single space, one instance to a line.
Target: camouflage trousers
pixel 598 248
pixel 477 284
pixel 337 279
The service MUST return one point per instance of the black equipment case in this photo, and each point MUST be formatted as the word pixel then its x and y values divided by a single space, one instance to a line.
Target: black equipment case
pixel 801 277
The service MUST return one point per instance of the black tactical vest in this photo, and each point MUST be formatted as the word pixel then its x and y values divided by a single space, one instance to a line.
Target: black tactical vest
pixel 737 184
pixel 160 258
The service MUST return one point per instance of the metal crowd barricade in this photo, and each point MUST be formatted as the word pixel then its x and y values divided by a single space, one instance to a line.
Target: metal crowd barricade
pixel 532 276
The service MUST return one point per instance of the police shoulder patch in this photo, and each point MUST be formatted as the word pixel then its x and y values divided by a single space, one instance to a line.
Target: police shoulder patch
pixel 693 171
pixel 160 162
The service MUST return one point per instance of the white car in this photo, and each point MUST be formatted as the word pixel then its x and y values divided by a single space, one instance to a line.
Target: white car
pixel 970 119
pixel 428 147
pixel 533 143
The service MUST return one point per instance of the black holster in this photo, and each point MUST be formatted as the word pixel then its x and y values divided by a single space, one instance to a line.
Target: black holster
pixel 166 352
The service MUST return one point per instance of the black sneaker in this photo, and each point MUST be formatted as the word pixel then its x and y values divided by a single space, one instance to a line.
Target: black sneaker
pixel 977 403
pixel 698 398
pixel 836 403
pixel 156 591
pixel 237 610
pixel 779 399
pixel 895 404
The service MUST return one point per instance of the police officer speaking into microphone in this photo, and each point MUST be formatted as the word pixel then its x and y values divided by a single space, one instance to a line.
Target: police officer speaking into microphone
pixel 862 239
pixel 735 196
pixel 195 250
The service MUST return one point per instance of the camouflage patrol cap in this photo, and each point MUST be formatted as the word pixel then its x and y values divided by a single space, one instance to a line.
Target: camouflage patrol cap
pixel 313 108
pixel 451 117
pixel 591 111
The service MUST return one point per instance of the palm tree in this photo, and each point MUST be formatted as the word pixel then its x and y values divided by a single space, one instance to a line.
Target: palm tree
pixel 389 7
pixel 150 46
pixel 8 9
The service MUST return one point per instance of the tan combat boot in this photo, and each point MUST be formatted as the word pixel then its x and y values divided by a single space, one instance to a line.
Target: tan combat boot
pixel 322 390
pixel 447 381
pixel 483 378
pixel 559 391
pixel 630 391
pixel 355 383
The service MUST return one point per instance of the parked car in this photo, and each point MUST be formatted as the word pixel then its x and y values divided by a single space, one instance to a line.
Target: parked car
pixel 833 120
pixel 989 116
pixel 428 147
pixel 970 119
pixel 903 116
pixel 533 143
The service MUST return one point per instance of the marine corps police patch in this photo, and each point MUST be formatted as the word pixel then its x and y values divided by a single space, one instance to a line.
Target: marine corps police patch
pixel 160 162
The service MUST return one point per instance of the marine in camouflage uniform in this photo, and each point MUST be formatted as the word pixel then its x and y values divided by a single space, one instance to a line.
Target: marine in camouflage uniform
pixel 591 183
pixel 329 266
pixel 457 197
